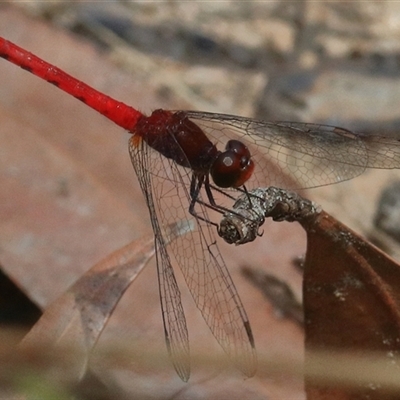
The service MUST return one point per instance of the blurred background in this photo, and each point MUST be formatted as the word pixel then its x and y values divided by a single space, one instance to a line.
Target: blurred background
pixel 70 195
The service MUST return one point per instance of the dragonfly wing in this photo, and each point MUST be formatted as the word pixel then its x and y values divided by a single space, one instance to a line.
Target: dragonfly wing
pixel 313 154
pixel 202 265
pixel 217 298
pixel 175 329
pixel 381 151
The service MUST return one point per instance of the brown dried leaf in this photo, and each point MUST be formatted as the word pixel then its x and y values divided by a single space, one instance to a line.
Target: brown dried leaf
pixel 77 318
pixel 352 304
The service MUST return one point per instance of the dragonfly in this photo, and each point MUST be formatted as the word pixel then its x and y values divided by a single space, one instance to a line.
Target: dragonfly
pixel 192 166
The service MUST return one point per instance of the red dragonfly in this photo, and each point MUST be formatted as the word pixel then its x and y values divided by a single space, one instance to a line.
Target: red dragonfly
pixel 185 176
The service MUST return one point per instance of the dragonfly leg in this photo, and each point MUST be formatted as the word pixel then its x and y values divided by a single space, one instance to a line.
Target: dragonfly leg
pixel 196 184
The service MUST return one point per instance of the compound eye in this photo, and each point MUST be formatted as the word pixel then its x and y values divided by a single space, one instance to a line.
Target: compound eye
pixel 233 167
pixel 239 148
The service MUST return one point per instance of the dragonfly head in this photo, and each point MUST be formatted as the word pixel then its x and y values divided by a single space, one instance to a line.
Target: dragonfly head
pixel 232 167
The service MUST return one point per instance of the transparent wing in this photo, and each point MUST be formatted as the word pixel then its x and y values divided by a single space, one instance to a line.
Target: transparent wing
pixel 310 154
pixel 175 329
pixel 200 261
